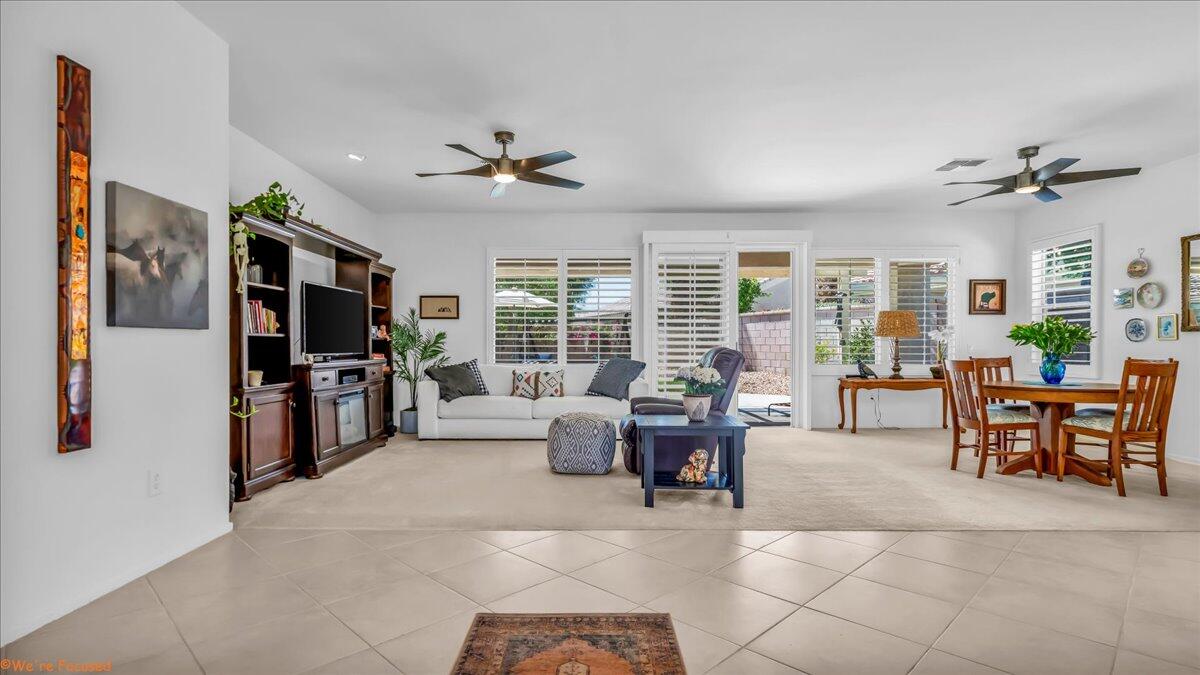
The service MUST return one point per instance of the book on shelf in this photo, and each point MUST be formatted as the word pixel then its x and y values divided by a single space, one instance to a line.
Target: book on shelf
pixel 260 320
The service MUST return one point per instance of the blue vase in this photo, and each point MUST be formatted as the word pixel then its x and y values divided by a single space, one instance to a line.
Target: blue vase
pixel 1053 369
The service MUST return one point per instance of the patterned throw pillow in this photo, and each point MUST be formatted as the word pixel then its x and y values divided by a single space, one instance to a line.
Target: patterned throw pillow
pixel 596 378
pixel 550 383
pixel 473 366
pixel 525 383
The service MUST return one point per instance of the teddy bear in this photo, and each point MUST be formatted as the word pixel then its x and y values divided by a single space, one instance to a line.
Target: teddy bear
pixel 694 470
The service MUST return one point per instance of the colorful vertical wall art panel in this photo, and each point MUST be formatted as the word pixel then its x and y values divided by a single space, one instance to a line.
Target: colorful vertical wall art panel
pixel 74 248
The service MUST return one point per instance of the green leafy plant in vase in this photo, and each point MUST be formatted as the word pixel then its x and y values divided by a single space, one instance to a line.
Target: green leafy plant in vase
pixel 1054 338
pixel 274 204
pixel 700 384
pixel 415 351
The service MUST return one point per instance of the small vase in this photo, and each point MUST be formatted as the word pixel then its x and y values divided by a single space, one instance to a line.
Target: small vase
pixel 937 372
pixel 1053 369
pixel 696 406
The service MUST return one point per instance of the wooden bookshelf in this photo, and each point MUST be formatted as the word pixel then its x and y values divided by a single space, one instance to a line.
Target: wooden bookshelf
pixel 381 318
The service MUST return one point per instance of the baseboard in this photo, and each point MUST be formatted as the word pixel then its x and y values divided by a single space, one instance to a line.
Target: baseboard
pixel 1183 459
pixel 27 626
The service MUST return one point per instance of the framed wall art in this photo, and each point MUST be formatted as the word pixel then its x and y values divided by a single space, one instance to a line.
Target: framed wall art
pixel 74 228
pixel 439 306
pixel 987 296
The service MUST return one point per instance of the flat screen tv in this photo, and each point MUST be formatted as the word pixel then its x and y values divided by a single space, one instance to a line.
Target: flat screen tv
pixel 334 320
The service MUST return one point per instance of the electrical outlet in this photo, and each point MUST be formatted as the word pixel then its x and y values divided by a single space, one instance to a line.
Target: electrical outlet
pixel 153 483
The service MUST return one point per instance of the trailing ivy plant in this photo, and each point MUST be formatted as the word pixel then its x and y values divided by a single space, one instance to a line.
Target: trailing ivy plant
pixel 274 204
pixel 236 411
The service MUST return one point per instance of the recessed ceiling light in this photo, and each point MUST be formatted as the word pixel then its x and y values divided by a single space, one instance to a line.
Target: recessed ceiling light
pixel 355 156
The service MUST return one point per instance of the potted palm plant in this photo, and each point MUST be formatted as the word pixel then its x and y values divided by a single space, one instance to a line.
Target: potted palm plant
pixel 415 350
pixel 1055 338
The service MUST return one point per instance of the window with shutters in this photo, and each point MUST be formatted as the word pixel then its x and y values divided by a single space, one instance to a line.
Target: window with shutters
pixel 845 296
pixel 1063 283
pixel 924 287
pixel 694 312
pixel 561 307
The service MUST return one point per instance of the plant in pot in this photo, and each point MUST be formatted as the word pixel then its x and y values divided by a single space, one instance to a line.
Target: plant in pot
pixel 415 350
pixel 940 338
pixel 1055 338
pixel 700 383
pixel 273 204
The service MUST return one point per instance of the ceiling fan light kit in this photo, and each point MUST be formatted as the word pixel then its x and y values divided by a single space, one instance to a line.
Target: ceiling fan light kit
pixel 1037 182
pixel 504 169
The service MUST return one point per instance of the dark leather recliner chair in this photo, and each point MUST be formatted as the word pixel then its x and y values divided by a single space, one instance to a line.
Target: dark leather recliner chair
pixel 670 454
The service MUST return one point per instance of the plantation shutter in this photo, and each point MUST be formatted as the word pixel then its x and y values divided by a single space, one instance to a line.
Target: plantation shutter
pixel 693 311
pixel 1062 286
pixel 921 286
pixel 599 308
pixel 844 295
pixel 525 302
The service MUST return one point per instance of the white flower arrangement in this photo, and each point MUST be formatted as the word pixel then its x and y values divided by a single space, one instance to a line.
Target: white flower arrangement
pixel 700 380
pixel 941 338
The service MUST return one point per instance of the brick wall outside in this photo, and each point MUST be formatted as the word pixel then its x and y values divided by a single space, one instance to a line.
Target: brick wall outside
pixel 766 340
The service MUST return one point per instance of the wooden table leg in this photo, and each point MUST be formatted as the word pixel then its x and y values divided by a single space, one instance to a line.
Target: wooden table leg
pixel 648 469
pixel 944 408
pixel 842 405
pixel 1050 417
pixel 854 410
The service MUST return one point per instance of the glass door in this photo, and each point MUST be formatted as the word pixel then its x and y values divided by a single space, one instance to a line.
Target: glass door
pixel 764 336
pixel 352 418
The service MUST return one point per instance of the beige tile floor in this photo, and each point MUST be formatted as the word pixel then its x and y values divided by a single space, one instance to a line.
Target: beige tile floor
pixel 358 602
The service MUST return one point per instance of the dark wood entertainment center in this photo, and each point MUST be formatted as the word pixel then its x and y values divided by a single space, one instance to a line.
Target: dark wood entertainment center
pixel 308 417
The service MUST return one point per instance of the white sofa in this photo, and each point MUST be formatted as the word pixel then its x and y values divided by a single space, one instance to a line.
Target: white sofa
pixel 499 415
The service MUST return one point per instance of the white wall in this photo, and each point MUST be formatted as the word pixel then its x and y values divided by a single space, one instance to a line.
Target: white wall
pixel 1152 211
pixel 253 166
pixel 76 526
pixel 446 253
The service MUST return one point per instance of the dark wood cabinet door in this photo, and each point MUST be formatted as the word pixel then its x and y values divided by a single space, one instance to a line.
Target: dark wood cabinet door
pixel 325 424
pixel 374 410
pixel 268 433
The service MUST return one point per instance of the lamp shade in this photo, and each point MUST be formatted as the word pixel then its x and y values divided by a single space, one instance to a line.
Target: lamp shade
pixel 897 324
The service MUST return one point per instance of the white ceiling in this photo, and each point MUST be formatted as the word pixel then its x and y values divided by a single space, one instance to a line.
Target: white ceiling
pixel 709 106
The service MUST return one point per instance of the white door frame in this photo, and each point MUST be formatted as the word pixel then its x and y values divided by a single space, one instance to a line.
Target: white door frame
pixel 797 242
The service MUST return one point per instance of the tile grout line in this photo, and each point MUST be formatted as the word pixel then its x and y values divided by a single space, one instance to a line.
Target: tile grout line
pixel 174 624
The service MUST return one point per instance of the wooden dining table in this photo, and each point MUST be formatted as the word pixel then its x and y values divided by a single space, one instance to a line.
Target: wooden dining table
pixel 1050 404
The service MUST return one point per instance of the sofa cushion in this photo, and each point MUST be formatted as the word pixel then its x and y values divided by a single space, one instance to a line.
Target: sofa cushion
pixel 454 381
pixel 486 408
pixel 553 406
pixel 613 377
pixel 551 383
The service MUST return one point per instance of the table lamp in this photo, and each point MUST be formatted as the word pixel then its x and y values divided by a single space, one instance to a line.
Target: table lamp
pixel 896 324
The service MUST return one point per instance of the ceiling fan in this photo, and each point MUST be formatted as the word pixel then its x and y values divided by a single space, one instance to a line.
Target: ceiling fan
pixel 1038 181
pixel 505 170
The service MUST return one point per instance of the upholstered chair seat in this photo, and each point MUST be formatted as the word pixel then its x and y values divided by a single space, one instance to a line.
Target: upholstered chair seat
pixel 1096 418
pixel 1002 414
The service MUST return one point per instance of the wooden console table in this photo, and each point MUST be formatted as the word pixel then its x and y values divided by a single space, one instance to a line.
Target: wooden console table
pixel 905 384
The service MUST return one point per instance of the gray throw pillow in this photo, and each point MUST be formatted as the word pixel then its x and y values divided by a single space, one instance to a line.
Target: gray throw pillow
pixel 613 377
pixel 454 381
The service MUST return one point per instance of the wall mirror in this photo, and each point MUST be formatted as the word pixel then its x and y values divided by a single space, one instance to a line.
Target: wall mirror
pixel 1189 313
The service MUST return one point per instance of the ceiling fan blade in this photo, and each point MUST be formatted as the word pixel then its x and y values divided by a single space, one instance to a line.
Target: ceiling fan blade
pixel 998 191
pixel 1084 176
pixel 1047 195
pixel 462 148
pixel 542 161
pixel 1052 169
pixel 547 179
pixel 498 190
pixel 483 170
pixel 1007 181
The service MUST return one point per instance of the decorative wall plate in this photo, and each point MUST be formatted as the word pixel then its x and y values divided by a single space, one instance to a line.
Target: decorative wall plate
pixel 1135 330
pixel 1139 266
pixel 1150 295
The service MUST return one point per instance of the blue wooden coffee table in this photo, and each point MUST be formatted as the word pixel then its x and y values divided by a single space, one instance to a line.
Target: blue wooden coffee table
pixel 731 436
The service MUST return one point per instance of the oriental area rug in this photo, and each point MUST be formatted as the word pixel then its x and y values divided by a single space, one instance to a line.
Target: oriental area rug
pixel 570 644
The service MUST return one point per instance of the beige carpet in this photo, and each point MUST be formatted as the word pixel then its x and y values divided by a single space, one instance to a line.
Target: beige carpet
pixel 796 480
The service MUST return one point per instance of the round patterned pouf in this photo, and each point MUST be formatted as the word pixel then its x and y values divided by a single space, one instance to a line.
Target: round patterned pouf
pixel 581 442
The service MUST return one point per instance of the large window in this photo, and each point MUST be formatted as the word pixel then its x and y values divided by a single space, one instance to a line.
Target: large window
pixel 1063 283
pixel 922 286
pixel 850 290
pixel 561 307
pixel 845 293
pixel 693 310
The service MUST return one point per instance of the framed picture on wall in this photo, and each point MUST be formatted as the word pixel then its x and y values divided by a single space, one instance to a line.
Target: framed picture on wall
pixel 439 306
pixel 987 296
pixel 1167 326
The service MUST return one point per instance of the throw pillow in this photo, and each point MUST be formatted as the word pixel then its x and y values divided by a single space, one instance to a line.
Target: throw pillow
pixel 550 383
pixel 613 377
pixel 473 364
pixel 454 381
pixel 525 383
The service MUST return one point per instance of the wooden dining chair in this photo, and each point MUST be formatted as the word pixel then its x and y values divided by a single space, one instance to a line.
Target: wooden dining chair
pixel 1000 369
pixel 1144 408
pixel 970 410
